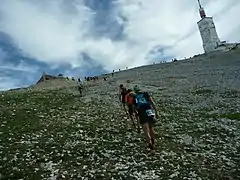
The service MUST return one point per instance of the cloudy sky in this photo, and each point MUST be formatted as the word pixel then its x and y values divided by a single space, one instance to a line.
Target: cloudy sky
pixel 90 37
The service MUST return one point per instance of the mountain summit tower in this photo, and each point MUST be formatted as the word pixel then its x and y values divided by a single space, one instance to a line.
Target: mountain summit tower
pixel 208 31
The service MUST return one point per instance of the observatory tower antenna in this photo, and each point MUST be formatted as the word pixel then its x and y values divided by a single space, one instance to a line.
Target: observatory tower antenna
pixel 201 10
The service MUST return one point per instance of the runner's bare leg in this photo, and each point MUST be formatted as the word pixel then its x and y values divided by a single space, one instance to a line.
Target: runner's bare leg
pixel 145 127
pixel 138 124
pixel 152 134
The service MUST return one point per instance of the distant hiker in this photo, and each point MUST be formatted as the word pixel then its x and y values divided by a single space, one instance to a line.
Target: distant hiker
pixel 131 111
pixel 122 94
pixel 80 88
pixel 144 105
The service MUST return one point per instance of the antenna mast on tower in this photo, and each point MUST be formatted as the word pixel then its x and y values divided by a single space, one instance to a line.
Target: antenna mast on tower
pixel 199 4
pixel 201 10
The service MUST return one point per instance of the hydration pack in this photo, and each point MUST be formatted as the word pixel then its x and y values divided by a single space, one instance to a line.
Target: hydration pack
pixel 141 100
pixel 129 98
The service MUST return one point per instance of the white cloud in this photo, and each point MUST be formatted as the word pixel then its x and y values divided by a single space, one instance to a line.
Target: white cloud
pixel 47 31
pixel 227 25
pixel 48 34
pixel 172 22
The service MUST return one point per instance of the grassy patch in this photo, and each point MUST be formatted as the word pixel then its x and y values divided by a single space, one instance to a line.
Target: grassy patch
pixel 230 94
pixel 203 92
pixel 64 136
pixel 233 116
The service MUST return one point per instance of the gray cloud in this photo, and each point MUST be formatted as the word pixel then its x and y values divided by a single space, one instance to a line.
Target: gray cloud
pixel 3 55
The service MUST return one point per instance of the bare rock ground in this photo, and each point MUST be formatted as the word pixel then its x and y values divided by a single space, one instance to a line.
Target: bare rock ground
pixel 55 134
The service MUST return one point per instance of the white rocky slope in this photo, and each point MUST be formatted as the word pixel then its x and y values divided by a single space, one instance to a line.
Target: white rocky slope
pixel 59 135
pixel 199 103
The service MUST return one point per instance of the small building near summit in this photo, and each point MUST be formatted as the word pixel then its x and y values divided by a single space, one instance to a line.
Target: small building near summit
pixel 46 77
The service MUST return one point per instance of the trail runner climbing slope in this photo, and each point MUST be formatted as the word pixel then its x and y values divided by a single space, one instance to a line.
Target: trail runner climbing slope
pixel 80 88
pixel 144 105
pixel 131 110
pixel 122 94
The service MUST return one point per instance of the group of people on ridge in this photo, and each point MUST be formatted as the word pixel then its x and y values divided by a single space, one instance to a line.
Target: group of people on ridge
pixel 141 106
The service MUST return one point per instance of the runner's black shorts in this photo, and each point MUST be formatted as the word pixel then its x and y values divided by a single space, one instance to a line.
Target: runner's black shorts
pixel 130 109
pixel 144 118
pixel 123 98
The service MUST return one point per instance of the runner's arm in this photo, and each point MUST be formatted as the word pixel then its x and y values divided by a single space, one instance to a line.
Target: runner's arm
pixel 126 99
pixel 119 94
pixel 154 106
pixel 120 97
pixel 134 105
